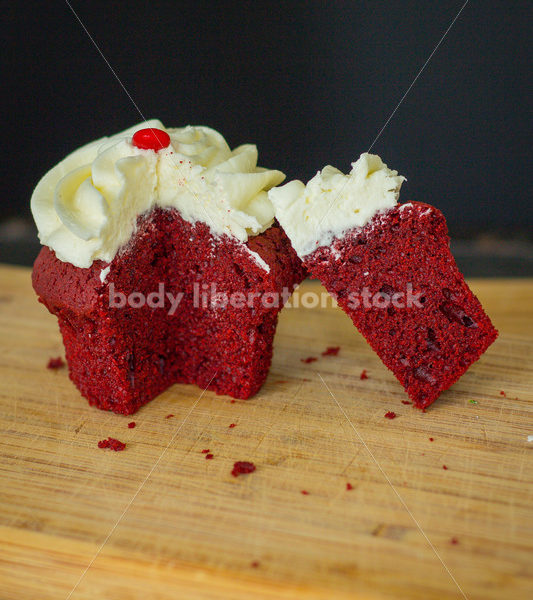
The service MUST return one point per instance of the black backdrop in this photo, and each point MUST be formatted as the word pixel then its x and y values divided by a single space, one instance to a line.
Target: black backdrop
pixel 310 83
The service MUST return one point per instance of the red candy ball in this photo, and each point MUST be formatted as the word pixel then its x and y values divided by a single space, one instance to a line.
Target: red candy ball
pixel 151 139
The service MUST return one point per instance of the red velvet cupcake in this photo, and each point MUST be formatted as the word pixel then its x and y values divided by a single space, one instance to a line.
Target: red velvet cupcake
pixel 163 264
pixel 390 268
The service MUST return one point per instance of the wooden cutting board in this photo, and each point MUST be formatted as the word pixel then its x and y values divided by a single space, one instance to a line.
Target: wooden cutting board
pixel 160 521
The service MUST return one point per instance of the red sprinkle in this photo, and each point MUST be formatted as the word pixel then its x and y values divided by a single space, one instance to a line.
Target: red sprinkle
pixel 241 467
pixel 309 359
pixel 112 444
pixel 131 425
pixel 363 374
pixel 232 425
pixel 55 363
pixel 405 402
pixel 208 456
pixel 390 415
pixel 431 439
pixel 169 416
pixel 349 486
pixel 305 492
pixel 331 351
pixel 445 467
pixel 454 540
pixel 151 139
pixel 205 451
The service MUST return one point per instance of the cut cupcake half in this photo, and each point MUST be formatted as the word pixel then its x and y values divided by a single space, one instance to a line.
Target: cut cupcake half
pixel 391 270
pixel 163 264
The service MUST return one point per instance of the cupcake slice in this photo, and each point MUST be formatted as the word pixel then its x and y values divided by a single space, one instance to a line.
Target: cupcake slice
pixel 390 268
pixel 163 264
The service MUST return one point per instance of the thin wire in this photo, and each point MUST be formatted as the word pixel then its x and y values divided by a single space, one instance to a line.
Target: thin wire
pixel 397 107
pixel 105 59
pixel 392 486
pixel 418 75
pixel 174 158
pixel 96 554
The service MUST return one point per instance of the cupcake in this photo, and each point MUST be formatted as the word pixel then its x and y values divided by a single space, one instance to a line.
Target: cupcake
pixel 391 270
pixel 163 263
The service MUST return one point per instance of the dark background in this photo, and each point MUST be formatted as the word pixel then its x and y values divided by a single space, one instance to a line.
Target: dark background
pixel 310 83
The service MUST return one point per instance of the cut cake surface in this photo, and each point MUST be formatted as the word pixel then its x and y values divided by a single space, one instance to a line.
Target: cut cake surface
pixel 442 328
pixel 121 354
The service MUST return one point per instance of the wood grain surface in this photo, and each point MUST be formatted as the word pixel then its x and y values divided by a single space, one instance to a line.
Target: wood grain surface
pixel 160 521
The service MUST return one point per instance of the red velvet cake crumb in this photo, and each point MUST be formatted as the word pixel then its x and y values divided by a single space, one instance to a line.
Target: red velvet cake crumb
pixel 454 541
pixel 55 363
pixel 232 425
pixel 445 467
pixel 309 359
pixel 305 492
pixel 126 341
pixel 209 456
pixel 169 416
pixel 112 444
pixel 331 351
pixel 405 402
pixel 242 467
pixel 431 439
pixel 390 415
pixel 398 281
pixel 502 393
pixel 131 425
pixel 363 375
pixel 254 564
pixel 349 486
pixel 205 451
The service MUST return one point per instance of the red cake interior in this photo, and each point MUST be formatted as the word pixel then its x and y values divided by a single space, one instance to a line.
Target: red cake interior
pixel 427 347
pixel 121 357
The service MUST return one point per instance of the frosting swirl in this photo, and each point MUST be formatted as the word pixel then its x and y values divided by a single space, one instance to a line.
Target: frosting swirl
pixel 86 207
pixel 332 203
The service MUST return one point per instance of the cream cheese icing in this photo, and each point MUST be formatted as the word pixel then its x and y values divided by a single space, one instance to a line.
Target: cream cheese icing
pixel 86 207
pixel 332 203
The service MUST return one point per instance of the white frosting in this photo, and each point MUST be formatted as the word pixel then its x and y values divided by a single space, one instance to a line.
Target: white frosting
pixel 86 207
pixel 264 265
pixel 410 205
pixel 104 273
pixel 332 203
